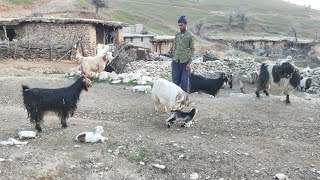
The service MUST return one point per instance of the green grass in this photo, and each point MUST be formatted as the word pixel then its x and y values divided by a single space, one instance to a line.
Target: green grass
pixel 112 145
pixel 19 2
pixel 143 154
pixel 160 16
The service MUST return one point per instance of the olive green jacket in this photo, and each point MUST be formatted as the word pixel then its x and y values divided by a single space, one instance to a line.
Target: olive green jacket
pixel 183 50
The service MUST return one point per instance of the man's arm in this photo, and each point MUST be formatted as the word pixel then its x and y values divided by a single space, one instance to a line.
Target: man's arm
pixel 192 49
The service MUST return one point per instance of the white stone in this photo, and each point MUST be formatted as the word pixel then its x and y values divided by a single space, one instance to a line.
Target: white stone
pixel 27 134
pixel 159 166
pixel 194 176
pixel 141 163
pixel 281 176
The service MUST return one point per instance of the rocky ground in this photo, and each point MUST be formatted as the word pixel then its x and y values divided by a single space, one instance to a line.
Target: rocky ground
pixel 237 136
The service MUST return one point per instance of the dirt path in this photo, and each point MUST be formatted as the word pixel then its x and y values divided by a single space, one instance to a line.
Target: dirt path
pixel 237 136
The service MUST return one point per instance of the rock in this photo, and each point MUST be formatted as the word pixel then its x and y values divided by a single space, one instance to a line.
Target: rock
pixel 116 81
pixel 141 163
pixel 12 141
pixel 159 166
pixel 109 151
pixel 256 171
pixel 208 177
pixel 27 134
pixel 281 176
pixel 77 146
pixel 72 166
pixel 194 176
pixel 116 152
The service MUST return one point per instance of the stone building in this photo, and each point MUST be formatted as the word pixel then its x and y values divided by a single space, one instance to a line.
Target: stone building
pixel 162 44
pixel 55 38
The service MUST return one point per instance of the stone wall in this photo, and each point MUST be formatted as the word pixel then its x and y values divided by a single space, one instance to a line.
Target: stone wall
pixel 136 41
pixel 314 74
pixel 162 47
pixel 39 40
pixel 163 68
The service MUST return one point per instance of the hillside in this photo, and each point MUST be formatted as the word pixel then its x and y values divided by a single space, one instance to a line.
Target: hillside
pixel 267 18
pixel 161 16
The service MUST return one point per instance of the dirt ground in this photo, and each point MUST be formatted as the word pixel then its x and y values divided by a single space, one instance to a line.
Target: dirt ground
pixel 237 136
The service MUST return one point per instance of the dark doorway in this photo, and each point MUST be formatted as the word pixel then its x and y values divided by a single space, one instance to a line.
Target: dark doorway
pixel 11 34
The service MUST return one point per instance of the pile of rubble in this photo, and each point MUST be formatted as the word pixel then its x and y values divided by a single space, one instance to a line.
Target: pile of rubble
pixel 314 74
pixel 163 68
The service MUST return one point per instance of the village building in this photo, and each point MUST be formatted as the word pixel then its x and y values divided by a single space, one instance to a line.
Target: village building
pixel 55 38
pixel 143 43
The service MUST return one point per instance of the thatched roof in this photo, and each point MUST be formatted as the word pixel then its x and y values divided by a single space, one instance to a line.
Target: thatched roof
pixel 13 22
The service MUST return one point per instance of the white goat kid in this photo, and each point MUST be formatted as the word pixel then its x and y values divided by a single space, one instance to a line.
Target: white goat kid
pixel 92 137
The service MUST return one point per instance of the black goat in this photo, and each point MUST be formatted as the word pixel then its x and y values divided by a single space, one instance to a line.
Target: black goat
pixel 207 85
pixel 62 101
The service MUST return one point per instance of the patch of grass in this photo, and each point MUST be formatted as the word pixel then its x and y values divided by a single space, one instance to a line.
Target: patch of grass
pixel 112 145
pixel 85 3
pixel 142 154
pixel 21 2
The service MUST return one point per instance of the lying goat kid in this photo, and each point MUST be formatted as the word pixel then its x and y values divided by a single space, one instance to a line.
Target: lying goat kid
pixel 186 117
pixel 62 101
pixel 92 137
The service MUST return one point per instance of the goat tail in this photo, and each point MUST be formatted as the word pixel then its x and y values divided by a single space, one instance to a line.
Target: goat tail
pixel 25 88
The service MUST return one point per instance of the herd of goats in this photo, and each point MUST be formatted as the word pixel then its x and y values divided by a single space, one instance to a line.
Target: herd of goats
pixel 63 101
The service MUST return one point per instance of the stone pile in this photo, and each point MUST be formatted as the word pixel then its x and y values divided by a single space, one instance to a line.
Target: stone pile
pixel 163 68
pixel 314 74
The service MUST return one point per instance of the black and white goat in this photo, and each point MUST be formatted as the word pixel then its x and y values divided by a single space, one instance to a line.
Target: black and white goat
pixel 207 85
pixel 284 75
pixel 62 101
pixel 305 83
pixel 186 117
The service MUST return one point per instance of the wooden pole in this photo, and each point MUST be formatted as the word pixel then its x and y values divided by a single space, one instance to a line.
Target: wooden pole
pixel 6 37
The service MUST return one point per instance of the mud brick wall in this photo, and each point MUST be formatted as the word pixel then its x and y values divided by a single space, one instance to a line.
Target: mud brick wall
pixel 39 40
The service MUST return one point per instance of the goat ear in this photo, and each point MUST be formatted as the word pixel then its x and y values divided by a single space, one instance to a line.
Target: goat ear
pixel 105 59
pixel 179 97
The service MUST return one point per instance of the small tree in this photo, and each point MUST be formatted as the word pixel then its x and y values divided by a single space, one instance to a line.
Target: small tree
pixel 199 26
pixel 239 17
pixel 293 31
pixel 101 4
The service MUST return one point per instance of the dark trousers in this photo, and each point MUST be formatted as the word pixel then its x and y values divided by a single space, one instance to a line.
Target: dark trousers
pixel 180 75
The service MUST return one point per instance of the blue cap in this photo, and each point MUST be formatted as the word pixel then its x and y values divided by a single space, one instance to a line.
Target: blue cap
pixel 182 19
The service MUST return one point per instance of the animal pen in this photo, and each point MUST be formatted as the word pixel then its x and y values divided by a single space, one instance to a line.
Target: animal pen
pixel 55 38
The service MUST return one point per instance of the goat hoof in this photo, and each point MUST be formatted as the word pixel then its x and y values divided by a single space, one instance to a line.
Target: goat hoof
pixel 183 125
pixel 64 125
pixel 38 128
pixel 168 125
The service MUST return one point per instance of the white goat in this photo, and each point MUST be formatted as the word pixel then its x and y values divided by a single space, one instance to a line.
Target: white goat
pixel 169 95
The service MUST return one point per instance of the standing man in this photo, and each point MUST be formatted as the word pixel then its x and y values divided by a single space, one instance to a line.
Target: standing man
pixel 183 54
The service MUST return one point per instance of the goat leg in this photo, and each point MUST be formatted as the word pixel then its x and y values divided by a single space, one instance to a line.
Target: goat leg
pixel 64 122
pixel 288 100
pixel 171 120
pixel 38 127
pixel 266 92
